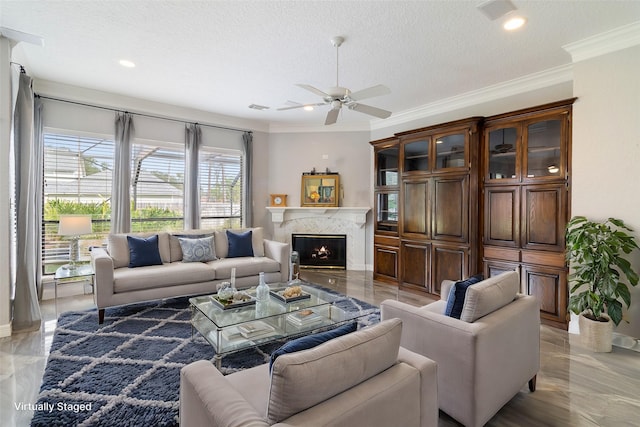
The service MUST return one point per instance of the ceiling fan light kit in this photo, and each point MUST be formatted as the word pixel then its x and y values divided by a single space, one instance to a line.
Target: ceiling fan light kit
pixel 337 96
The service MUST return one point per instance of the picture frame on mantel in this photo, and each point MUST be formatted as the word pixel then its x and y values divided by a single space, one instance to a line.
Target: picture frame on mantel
pixel 319 190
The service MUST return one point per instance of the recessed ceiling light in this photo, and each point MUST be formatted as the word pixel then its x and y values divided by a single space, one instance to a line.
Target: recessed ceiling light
pixel 438 141
pixel 126 63
pixel 308 108
pixel 514 23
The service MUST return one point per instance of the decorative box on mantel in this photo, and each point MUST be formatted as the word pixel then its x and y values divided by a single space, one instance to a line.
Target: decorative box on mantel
pixel 326 220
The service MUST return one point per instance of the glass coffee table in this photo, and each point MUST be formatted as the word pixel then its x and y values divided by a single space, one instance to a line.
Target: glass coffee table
pixel 232 329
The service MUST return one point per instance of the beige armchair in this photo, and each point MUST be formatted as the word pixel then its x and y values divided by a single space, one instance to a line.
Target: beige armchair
pixel 482 363
pixel 360 379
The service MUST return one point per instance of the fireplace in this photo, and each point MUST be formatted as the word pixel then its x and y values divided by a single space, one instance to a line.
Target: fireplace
pixel 321 250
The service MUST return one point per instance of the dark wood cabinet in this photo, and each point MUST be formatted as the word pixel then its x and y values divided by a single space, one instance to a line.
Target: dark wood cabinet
pixel 438 200
pixel 415 262
pixel 451 208
pixel 548 284
pixel 415 195
pixel 478 195
pixel 386 252
pixel 386 258
pixel 526 187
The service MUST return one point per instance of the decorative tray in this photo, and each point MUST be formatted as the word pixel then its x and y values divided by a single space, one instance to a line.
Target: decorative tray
pixel 230 304
pixel 277 294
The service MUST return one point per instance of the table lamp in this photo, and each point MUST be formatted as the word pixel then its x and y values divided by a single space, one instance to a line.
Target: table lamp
pixel 74 226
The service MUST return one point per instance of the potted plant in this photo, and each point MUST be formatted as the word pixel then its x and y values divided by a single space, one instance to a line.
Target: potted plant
pixel 596 254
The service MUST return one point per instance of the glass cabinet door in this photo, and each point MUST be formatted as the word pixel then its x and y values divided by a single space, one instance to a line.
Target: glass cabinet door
pixel 387 215
pixel 450 151
pixel 416 156
pixel 387 167
pixel 544 149
pixel 502 157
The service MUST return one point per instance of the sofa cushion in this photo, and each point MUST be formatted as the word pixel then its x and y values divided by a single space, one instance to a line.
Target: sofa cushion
pixel 257 241
pixel 197 249
pixel 162 276
pixel 489 295
pixel 457 293
pixel 240 244
pixel 303 379
pixel 245 266
pixel 310 341
pixel 118 247
pixel 143 251
pixel 174 242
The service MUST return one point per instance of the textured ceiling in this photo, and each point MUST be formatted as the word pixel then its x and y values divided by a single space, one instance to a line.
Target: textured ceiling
pixel 221 56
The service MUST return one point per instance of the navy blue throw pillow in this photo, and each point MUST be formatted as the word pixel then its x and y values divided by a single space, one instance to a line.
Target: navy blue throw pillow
pixel 143 252
pixel 240 244
pixel 310 341
pixel 455 300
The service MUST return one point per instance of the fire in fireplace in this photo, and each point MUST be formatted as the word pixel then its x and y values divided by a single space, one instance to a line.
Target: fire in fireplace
pixel 321 250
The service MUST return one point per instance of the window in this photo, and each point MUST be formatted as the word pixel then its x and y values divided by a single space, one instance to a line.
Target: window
pixel 157 187
pixel 220 188
pixel 78 172
pixel 77 180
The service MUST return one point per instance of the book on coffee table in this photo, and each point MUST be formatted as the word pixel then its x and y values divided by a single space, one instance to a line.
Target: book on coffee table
pixel 257 329
pixel 304 317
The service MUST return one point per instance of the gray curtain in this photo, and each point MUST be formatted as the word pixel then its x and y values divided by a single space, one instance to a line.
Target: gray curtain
pixel 28 152
pixel 247 139
pixel 192 139
pixel 121 180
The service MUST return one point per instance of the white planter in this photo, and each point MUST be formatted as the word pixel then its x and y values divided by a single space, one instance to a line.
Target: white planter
pixel 596 336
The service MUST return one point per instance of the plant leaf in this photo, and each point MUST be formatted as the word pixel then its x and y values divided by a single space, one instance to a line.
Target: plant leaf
pixel 614 309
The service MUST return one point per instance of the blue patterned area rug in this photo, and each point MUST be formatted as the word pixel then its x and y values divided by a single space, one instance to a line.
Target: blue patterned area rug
pixel 127 370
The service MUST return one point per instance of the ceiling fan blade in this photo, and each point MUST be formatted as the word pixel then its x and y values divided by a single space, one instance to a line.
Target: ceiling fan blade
pixel 298 105
pixel 313 89
pixel 370 92
pixel 291 108
pixel 372 111
pixel 332 116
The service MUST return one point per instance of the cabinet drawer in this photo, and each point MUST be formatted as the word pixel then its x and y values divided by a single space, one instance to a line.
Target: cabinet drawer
pixel 386 240
pixel 502 253
pixel 549 259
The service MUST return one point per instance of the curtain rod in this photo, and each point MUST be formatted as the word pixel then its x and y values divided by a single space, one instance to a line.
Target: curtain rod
pixel 140 114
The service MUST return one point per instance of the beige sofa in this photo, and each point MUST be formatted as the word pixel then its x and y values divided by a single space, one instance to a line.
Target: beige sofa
pixel 360 379
pixel 484 361
pixel 117 284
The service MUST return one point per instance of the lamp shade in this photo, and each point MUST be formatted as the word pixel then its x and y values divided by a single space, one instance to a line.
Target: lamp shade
pixel 74 225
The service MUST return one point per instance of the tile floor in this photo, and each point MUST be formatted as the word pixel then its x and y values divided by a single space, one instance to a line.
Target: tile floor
pixel 575 387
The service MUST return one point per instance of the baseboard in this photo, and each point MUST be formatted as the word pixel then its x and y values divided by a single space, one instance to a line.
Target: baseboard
pixel 5 330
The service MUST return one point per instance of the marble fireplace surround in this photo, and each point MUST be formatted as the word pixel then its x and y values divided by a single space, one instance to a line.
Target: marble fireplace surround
pixel 341 220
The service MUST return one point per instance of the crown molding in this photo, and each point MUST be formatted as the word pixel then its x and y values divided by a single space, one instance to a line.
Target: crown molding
pixel 305 128
pixel 530 82
pixel 603 43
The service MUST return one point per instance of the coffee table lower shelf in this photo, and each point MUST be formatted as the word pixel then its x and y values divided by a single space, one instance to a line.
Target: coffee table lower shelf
pixel 250 333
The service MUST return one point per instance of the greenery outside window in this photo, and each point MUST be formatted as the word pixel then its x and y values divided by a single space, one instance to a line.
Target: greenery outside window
pixel 78 178
pixel 221 188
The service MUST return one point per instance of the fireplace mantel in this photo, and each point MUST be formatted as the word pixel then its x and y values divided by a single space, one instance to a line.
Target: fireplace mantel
pixel 349 221
pixel 357 215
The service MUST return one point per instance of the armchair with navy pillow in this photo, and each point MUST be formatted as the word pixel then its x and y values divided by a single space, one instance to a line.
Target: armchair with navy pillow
pixel 486 353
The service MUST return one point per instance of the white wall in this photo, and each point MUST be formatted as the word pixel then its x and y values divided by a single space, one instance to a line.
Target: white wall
pixel 606 148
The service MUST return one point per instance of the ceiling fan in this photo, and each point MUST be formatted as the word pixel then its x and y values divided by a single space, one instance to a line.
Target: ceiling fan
pixel 338 96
